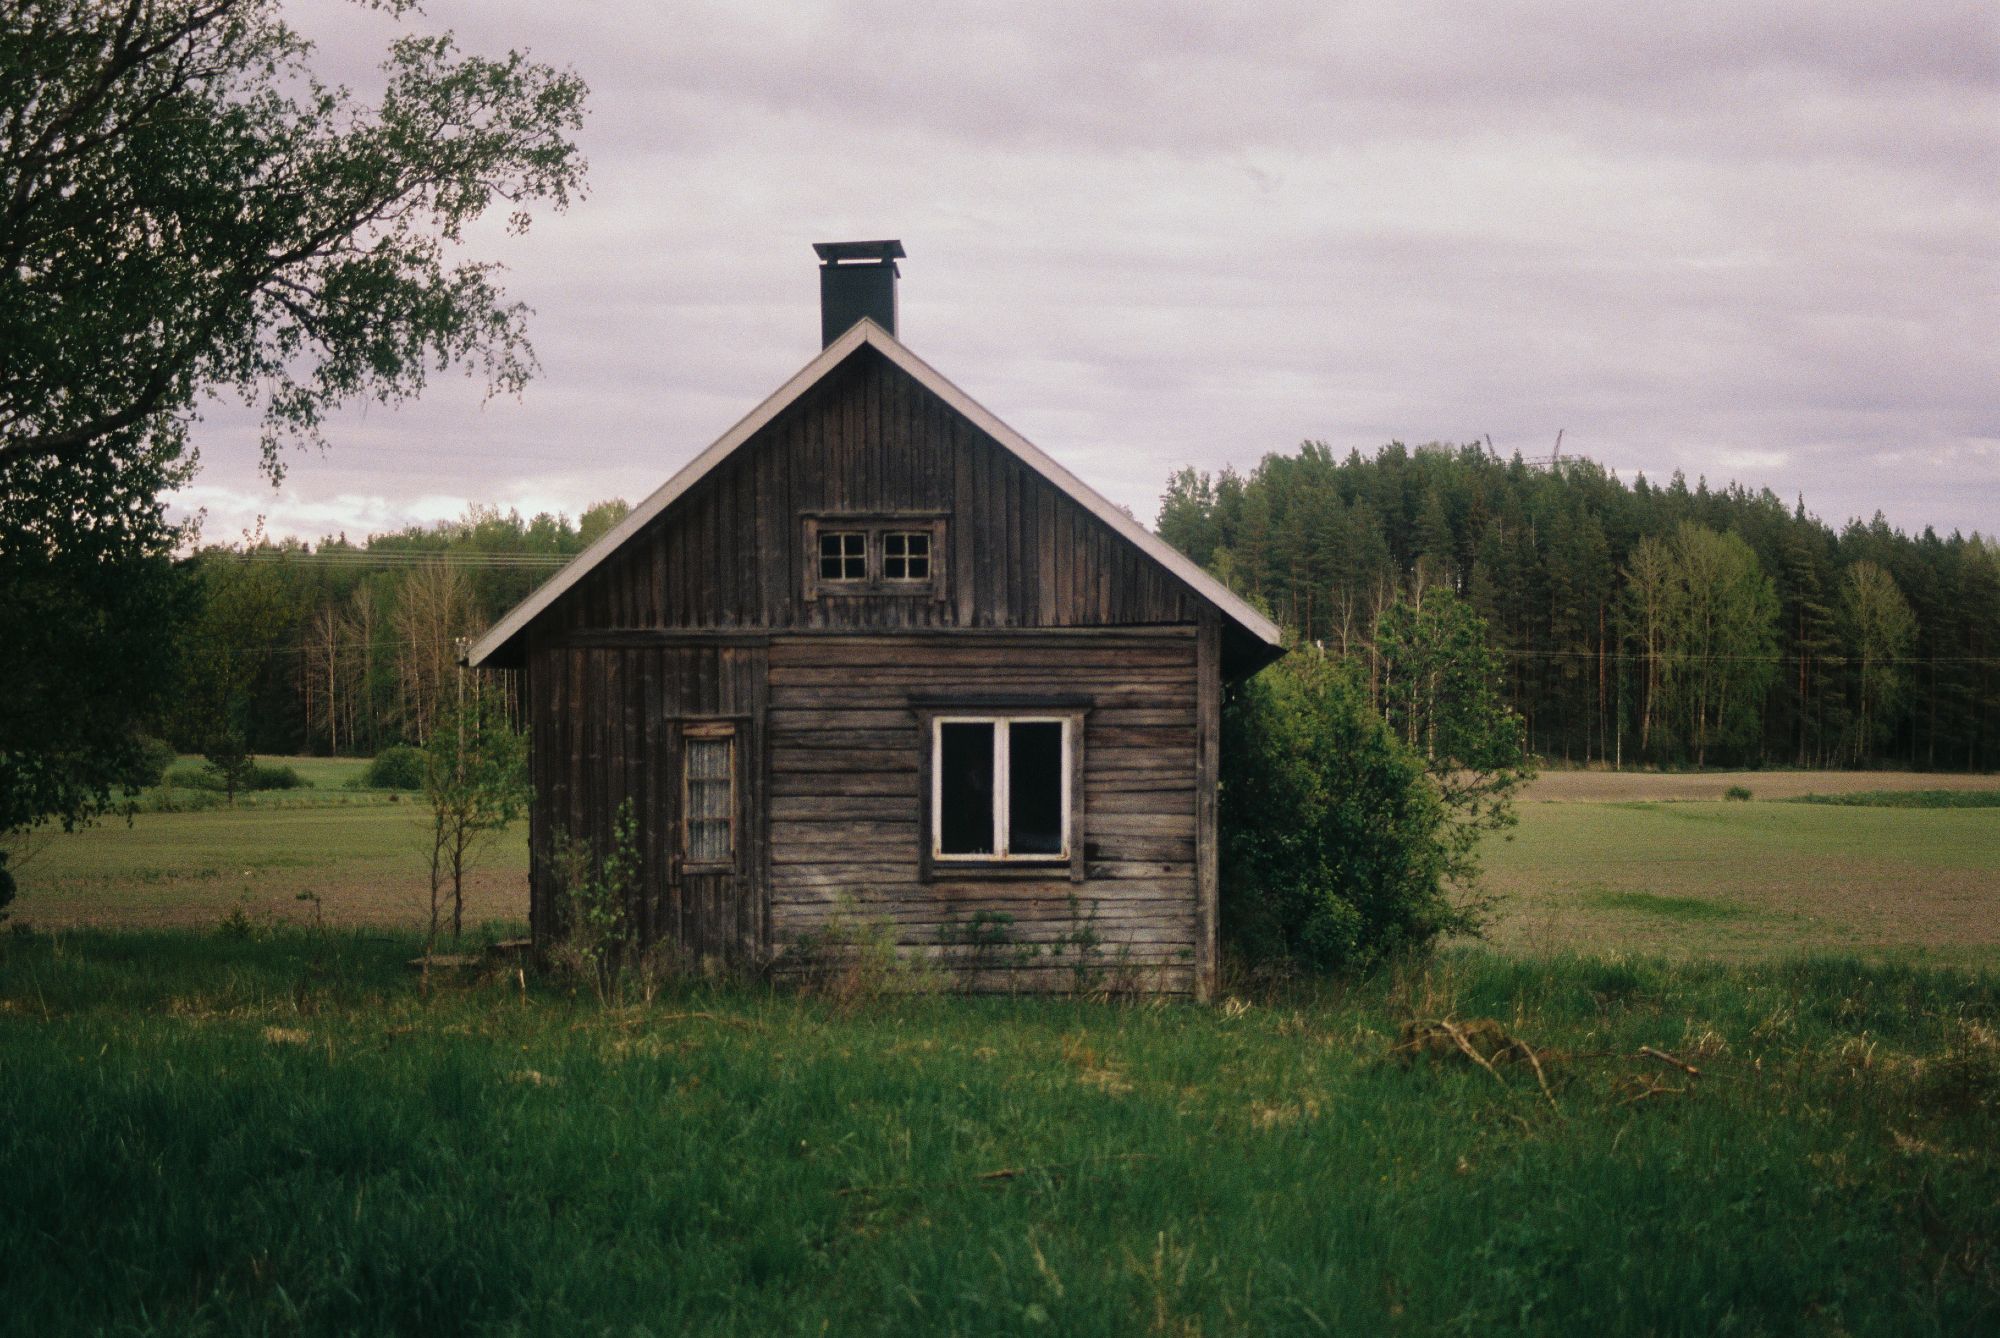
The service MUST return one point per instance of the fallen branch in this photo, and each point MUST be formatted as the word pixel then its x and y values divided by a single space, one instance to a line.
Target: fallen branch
pixel 1513 1043
pixel 1648 1052
pixel 994 1177
pixel 1652 1088
pixel 1540 1077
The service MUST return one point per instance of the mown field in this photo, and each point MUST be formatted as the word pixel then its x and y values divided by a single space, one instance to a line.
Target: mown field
pixel 220 1135
pixel 357 857
pixel 1663 864
pixel 1600 863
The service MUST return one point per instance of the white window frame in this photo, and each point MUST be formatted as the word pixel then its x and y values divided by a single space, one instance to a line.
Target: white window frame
pixel 1002 796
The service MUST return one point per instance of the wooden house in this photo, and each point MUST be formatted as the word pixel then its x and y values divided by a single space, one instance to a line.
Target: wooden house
pixel 873 649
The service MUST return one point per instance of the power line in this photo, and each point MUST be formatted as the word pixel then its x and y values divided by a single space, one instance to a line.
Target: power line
pixel 360 558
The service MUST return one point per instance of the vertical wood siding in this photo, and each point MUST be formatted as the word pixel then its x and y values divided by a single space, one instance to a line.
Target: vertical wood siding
pixel 603 722
pixel 1019 552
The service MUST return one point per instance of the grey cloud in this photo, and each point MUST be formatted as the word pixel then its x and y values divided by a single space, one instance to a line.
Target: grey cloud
pixel 1746 241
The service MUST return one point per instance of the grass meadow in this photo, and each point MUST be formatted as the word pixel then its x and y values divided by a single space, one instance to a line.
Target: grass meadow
pixel 1741 1075
pixel 202 1134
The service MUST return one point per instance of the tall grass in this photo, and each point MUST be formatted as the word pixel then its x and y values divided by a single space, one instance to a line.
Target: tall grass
pixel 206 1135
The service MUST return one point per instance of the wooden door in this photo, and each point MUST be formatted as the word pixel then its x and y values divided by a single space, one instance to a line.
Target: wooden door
pixel 711 894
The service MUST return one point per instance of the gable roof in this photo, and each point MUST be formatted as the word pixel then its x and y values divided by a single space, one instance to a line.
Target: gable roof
pixel 1246 619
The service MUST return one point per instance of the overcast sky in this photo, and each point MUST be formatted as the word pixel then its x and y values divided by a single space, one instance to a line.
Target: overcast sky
pixel 1752 241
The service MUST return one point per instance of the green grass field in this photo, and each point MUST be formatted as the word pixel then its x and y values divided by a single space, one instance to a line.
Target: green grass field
pixel 281 1130
pixel 1900 878
pixel 202 1135
pixel 363 854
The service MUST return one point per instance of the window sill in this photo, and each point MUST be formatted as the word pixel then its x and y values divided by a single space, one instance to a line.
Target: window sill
pixel 1042 867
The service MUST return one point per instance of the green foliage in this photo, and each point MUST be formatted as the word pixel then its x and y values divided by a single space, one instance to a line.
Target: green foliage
pixel 852 958
pixel 155 756
pixel 1882 629
pixel 273 776
pixel 1439 687
pixel 1738 793
pixel 475 782
pixel 594 893
pixel 264 1132
pixel 1335 847
pixel 1621 639
pixel 189 211
pixel 249 774
pixel 229 763
pixel 397 767
pixel 1720 645
pixel 192 210
pixel 89 602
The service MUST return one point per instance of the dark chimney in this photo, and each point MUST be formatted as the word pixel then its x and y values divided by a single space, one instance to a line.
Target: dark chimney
pixel 856 279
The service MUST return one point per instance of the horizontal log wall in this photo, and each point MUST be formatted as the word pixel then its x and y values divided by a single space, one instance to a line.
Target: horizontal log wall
pixel 845 811
pixel 869 440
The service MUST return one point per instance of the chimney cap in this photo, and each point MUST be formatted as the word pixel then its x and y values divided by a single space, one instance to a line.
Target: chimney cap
pixel 882 252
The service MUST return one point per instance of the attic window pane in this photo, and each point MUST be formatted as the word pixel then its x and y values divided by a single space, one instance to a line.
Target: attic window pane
pixel 906 556
pixel 843 555
pixel 965 788
pixel 1034 787
pixel 711 800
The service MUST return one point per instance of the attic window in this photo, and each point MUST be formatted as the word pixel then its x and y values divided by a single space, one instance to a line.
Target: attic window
pixel 906 555
pixel 843 555
pixel 887 553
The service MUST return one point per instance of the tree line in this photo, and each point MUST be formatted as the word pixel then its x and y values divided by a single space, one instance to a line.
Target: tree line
pixel 346 648
pixel 1635 624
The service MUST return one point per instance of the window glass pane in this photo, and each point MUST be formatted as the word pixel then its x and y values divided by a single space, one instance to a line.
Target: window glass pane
pixel 708 842
pixel 965 788
pixel 906 556
pixel 1035 787
pixel 710 800
pixel 843 555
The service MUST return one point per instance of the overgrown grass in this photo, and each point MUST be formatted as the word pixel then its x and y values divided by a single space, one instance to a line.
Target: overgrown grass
pixel 203 1135
pixel 1906 799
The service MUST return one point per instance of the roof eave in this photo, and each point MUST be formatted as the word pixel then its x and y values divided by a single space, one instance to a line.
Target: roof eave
pixel 500 646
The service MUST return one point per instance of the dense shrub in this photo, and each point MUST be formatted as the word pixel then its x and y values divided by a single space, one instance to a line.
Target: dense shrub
pixel 153 758
pixel 272 776
pixel 1335 845
pixel 397 767
pixel 257 776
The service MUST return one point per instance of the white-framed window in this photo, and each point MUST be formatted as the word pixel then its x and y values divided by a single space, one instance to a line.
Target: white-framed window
pixel 1000 787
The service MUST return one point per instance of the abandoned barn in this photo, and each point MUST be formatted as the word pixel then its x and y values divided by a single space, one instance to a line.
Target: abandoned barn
pixel 872 654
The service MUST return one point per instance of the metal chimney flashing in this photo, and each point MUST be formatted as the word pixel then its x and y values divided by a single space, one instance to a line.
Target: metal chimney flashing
pixel 856 280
